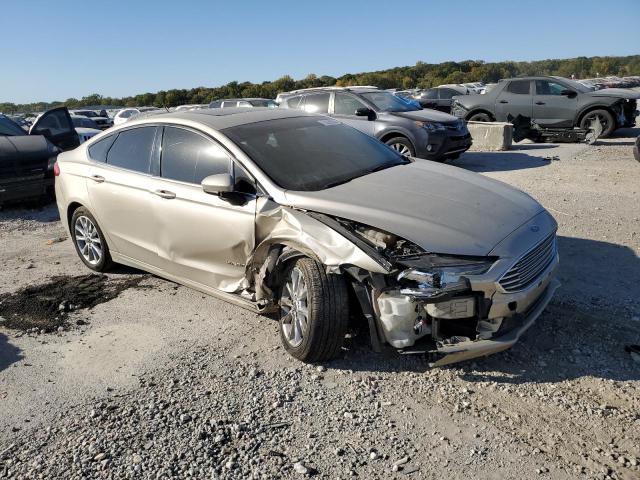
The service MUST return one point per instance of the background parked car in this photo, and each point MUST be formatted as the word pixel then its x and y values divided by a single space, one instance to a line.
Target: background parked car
pixel 406 128
pixel 103 121
pixel 243 102
pixel 85 127
pixel 124 115
pixel 440 98
pixel 27 159
pixel 551 102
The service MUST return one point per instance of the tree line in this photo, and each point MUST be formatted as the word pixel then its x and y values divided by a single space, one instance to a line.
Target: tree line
pixel 420 75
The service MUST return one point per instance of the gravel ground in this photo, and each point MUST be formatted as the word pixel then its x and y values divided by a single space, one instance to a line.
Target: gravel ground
pixel 163 382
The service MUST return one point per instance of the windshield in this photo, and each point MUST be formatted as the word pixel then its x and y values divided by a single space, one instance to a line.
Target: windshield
pixel 387 102
pixel 87 113
pixel 9 128
pixel 575 85
pixel 312 153
pixel 263 103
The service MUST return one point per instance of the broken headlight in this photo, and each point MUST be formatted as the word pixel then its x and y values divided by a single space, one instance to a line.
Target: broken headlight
pixel 441 275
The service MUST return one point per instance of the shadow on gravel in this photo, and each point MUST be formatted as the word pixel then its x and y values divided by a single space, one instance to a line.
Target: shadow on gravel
pixel 574 337
pixel 499 161
pixel 626 132
pixel 532 146
pixel 9 354
pixel 43 214
pixel 46 306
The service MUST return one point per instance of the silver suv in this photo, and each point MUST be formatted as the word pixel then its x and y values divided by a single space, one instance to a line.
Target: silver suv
pixel 410 130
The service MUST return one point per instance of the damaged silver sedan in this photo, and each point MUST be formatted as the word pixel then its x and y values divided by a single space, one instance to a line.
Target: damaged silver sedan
pixel 279 210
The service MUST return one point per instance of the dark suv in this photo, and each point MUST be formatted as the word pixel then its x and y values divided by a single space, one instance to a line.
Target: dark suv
pixel 406 128
pixel 551 102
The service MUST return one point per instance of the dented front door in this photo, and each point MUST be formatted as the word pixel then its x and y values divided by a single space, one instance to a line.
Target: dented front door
pixel 202 237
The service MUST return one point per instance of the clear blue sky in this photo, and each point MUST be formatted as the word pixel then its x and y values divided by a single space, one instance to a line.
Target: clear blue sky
pixel 56 49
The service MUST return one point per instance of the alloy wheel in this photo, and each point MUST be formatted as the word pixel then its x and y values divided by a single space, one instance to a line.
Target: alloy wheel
pixel 294 303
pixel 88 240
pixel 401 148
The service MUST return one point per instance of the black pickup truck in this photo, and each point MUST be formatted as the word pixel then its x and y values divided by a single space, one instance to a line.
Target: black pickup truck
pixel 27 158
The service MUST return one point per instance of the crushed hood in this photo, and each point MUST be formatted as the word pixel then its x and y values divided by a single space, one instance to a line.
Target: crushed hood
pixel 615 92
pixel 441 208
pixel 426 115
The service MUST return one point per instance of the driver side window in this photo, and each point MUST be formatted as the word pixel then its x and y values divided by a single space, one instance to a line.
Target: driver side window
pixel 545 87
pixel 345 104
pixel 190 157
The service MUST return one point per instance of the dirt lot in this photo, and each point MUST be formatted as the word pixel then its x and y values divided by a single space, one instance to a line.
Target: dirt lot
pixel 157 381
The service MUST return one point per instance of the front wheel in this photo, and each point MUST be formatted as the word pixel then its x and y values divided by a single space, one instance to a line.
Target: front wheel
pixel 314 311
pixel 606 120
pixel 402 145
pixel 480 117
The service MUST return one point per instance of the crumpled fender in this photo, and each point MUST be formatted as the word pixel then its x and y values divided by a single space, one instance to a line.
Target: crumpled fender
pixel 277 224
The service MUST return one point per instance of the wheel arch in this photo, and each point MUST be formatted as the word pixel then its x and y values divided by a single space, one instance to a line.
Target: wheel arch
pixel 72 207
pixel 388 135
pixel 480 110
pixel 590 108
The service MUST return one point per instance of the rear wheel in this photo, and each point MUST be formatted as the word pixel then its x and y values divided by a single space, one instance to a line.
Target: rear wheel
pixel 89 241
pixel 480 117
pixel 402 145
pixel 606 120
pixel 313 311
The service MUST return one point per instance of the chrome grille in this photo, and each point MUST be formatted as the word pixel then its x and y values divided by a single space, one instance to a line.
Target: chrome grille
pixel 526 270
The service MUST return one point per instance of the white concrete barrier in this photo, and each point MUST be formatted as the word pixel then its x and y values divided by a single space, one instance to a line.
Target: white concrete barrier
pixel 490 136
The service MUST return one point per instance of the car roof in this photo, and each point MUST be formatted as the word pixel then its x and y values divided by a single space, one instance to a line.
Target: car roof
pixel 221 118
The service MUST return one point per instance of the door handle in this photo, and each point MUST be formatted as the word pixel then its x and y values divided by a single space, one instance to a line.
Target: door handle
pixel 540 103
pixel 97 178
pixel 503 101
pixel 164 194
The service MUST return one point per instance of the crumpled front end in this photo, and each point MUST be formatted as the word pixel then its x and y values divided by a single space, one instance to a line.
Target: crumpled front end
pixel 460 308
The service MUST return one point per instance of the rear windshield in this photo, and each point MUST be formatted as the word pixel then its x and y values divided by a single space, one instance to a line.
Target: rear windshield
pixel 312 153
pixel 9 128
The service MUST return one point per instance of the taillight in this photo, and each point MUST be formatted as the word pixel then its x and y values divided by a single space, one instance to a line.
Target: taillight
pixel 56 170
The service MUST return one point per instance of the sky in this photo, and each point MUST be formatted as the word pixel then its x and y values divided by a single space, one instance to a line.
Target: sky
pixel 54 50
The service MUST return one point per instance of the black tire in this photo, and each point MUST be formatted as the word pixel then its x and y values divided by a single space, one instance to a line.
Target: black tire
pixel 105 262
pixel 328 312
pixel 606 119
pixel 480 117
pixel 402 145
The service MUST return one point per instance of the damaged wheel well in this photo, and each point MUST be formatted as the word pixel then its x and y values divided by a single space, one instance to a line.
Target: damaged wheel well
pixel 593 108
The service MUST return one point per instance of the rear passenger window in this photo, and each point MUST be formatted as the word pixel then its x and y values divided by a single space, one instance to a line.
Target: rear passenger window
pixel 519 87
pixel 98 151
pixel 447 93
pixel 229 104
pixel 132 149
pixel 317 103
pixel 190 157
pixel 430 94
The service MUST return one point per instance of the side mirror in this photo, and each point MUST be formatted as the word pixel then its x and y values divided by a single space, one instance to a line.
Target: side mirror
pixel 366 112
pixel 216 184
pixel 568 93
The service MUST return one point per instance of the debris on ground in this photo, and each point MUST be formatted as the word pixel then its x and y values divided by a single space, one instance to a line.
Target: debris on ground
pixel 45 307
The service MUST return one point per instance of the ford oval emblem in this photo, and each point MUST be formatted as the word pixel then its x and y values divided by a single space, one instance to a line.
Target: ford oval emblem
pixel 535 228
